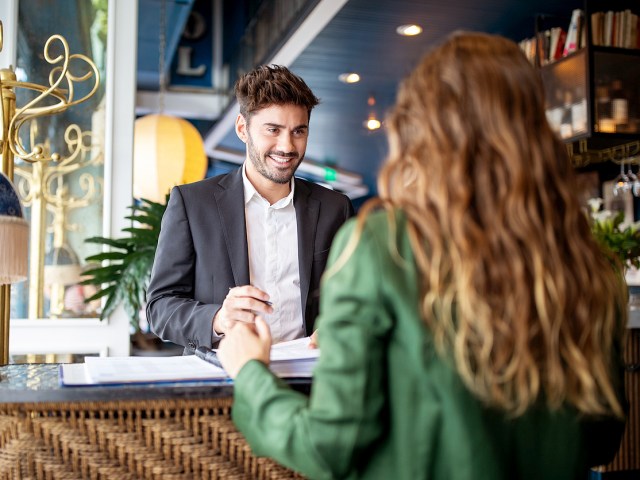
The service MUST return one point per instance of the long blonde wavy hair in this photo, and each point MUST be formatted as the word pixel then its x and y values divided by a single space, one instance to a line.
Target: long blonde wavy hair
pixel 513 282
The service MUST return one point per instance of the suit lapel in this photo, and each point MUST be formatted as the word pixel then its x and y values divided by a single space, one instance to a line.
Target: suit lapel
pixel 230 202
pixel 307 212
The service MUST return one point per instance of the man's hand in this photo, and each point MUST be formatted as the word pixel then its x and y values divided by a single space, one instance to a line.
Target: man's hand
pixel 244 342
pixel 242 304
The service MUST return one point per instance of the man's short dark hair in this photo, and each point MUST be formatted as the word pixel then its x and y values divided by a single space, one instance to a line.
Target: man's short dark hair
pixel 272 85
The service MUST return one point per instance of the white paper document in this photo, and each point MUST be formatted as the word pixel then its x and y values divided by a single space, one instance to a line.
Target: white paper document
pixel 150 369
pixel 294 350
pixel 288 360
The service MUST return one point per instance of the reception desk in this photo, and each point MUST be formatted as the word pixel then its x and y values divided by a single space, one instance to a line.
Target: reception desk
pixel 164 431
pixel 169 431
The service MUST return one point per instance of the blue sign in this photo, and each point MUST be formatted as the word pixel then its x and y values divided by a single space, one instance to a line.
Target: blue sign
pixel 193 59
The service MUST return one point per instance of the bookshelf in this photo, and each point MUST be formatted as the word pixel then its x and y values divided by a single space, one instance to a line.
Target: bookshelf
pixel 593 87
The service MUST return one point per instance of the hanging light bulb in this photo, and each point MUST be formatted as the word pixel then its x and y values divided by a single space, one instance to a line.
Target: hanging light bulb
pixel 372 122
pixel 167 150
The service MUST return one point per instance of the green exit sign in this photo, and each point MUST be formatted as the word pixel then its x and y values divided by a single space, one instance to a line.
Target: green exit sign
pixel 330 174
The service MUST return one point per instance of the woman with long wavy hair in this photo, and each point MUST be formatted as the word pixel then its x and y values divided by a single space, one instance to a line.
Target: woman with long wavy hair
pixel 470 326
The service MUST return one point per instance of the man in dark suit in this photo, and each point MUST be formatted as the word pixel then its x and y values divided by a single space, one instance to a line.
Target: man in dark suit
pixel 252 242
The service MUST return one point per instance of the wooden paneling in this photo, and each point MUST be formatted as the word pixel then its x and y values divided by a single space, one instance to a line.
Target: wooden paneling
pixel 628 457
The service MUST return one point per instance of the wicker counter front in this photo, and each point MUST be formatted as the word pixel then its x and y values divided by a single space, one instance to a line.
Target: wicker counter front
pixel 169 431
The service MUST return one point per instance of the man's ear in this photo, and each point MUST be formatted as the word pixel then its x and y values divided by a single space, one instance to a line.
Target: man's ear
pixel 241 128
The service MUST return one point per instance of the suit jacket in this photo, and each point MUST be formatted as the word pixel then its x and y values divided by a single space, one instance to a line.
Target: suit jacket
pixel 385 405
pixel 202 252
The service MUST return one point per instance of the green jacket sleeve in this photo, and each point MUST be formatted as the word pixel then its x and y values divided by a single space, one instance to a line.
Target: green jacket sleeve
pixel 325 436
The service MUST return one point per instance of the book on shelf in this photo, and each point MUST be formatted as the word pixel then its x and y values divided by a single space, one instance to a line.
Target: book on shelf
pixel 552 44
pixel 597 25
pixel 528 47
pixel 615 29
pixel 574 33
pixel 548 46
pixel 558 37
pixel 291 359
pixel 608 29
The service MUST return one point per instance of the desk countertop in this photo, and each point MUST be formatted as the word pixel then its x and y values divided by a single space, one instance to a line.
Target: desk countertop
pixel 27 383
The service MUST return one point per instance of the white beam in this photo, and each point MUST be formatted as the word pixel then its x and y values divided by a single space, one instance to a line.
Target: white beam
pixel 193 105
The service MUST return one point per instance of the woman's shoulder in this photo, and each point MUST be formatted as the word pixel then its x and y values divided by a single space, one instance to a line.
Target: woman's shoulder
pixel 382 231
pixel 377 223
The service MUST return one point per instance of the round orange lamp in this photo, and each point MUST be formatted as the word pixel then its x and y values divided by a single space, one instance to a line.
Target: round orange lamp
pixel 167 151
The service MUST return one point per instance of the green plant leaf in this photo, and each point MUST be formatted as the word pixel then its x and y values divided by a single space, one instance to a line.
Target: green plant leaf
pixel 125 277
pixel 113 300
pixel 99 257
pixel 101 293
pixel 145 219
pixel 619 243
pixel 108 270
pixel 112 242
pixel 142 234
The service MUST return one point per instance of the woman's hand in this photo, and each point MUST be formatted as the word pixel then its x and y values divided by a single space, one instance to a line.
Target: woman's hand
pixel 313 340
pixel 244 342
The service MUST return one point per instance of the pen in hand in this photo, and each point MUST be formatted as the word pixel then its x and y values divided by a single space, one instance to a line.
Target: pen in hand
pixel 266 302
pixel 209 356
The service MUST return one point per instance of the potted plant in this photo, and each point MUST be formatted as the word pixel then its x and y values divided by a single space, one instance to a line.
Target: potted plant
pixel 619 239
pixel 123 276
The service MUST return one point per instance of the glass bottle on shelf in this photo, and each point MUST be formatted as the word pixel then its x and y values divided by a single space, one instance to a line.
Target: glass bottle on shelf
pixel 554 112
pixel 579 112
pixel 604 122
pixel 566 123
pixel 619 106
pixel 634 305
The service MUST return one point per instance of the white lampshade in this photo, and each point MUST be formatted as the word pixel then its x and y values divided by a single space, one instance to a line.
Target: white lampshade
pixel 61 266
pixel 14 235
pixel 167 151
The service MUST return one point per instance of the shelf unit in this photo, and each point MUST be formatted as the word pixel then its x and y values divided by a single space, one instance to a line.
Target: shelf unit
pixel 593 96
pixel 593 101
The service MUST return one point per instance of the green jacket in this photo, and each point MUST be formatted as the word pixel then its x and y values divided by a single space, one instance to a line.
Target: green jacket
pixel 384 405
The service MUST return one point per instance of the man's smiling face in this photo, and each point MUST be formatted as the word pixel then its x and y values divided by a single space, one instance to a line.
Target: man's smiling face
pixel 276 138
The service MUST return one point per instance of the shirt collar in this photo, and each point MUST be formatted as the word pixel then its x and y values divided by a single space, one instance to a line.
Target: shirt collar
pixel 250 191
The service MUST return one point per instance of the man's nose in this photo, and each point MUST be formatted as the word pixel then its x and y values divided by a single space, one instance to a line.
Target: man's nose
pixel 285 142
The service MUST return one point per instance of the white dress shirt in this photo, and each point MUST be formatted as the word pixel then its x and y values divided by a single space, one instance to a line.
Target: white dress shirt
pixel 272 238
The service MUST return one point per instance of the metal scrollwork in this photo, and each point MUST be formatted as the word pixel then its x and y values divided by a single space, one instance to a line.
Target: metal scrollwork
pixel 61 90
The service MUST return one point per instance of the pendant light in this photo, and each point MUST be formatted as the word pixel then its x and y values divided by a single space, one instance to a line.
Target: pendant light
pixel 372 123
pixel 167 150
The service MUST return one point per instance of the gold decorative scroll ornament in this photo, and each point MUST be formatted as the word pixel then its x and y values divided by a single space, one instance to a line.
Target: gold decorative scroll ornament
pixel 51 99
pixel 42 187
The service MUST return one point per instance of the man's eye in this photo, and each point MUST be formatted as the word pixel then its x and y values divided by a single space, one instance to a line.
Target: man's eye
pixel 272 130
pixel 299 133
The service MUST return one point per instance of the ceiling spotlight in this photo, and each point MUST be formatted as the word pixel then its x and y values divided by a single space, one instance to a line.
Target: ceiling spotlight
pixel 372 123
pixel 349 77
pixel 409 30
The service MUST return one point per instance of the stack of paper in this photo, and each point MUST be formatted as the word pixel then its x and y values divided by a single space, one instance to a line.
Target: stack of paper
pixel 293 359
pixel 288 360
